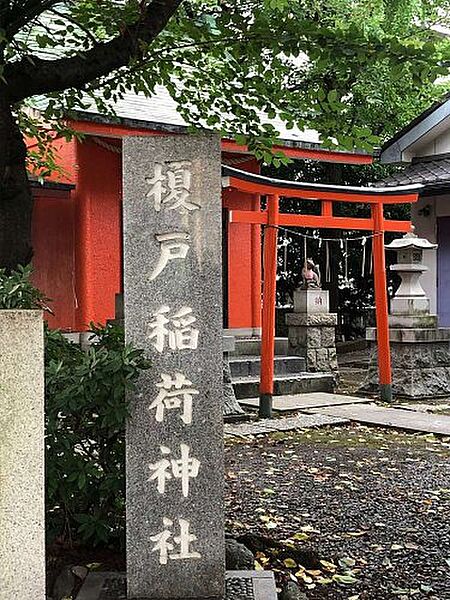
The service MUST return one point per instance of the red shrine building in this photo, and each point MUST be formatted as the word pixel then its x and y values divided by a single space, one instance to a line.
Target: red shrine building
pixel 77 222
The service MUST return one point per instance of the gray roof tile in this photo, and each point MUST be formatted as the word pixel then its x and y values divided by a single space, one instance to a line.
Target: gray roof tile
pixel 428 171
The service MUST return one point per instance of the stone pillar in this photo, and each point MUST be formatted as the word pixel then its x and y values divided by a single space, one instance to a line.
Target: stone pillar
pixel 22 489
pixel 312 330
pixel 173 309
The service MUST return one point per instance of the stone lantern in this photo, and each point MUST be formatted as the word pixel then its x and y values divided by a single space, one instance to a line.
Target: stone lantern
pixel 410 306
pixel 420 350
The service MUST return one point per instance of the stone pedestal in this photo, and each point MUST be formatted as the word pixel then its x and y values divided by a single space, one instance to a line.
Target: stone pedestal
pixel 173 309
pixel 420 362
pixel 312 330
pixel 22 489
pixel 420 351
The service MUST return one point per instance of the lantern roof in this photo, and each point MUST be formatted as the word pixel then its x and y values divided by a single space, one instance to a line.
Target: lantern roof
pixel 410 240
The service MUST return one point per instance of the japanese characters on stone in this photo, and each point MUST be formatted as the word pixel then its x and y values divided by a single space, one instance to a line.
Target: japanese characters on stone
pixel 173 328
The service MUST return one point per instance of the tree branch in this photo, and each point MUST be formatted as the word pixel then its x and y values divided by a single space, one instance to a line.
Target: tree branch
pixel 18 16
pixel 31 76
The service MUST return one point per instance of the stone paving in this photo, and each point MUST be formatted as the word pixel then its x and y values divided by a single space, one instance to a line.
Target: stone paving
pixel 239 585
pixel 302 401
pixel 389 417
pixel 425 408
pixel 301 421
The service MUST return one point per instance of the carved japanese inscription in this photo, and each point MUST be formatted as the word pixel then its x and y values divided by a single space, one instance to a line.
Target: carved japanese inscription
pixel 173 297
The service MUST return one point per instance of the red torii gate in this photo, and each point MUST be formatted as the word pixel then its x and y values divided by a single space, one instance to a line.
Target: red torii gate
pixel 376 198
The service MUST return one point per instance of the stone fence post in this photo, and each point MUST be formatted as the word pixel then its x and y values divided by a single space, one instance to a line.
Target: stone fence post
pixel 22 531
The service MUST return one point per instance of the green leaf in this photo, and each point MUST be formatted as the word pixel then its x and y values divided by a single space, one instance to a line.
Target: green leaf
pixel 290 563
pixel 344 579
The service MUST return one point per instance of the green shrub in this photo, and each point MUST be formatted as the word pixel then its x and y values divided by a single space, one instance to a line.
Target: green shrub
pixel 17 291
pixel 85 421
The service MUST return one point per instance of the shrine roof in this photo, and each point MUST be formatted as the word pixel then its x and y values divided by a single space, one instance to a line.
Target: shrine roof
pixel 433 172
pixel 159 112
pixel 161 108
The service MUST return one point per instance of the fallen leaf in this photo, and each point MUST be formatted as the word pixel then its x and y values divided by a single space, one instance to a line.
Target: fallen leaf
pixel 300 537
pixel 324 580
pixel 396 547
pixel 347 561
pixel 328 566
pixel 344 579
pixel 289 563
pixel 356 533
pixel 411 546
pixel 309 529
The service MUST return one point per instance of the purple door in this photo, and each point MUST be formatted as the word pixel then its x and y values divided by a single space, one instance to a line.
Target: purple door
pixel 443 259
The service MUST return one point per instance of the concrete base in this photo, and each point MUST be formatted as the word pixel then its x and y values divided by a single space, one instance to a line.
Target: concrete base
pixel 413 321
pixel 420 363
pixel 239 585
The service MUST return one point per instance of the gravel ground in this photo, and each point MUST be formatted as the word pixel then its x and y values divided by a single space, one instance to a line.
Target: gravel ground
pixel 372 505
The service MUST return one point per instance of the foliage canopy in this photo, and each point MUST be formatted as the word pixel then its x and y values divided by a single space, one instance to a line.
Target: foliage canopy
pixel 354 71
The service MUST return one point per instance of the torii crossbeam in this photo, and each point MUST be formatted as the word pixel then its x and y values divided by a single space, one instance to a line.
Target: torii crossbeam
pixel 376 198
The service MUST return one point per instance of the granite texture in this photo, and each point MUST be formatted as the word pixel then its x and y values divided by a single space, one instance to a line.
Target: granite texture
pixel 418 371
pixel 22 491
pixel 316 344
pixel 231 407
pixel 311 301
pixel 265 426
pixel 311 331
pixel 315 319
pixel 412 336
pixel 190 345
pixel 389 417
pixel 239 585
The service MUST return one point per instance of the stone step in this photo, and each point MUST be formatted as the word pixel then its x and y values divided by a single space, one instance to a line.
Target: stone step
pixel 252 346
pixel 248 387
pixel 244 366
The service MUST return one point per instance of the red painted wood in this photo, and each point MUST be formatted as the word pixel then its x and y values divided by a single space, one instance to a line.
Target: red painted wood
pixel 269 298
pixel 312 154
pixel 113 130
pixel 244 262
pixel 256 269
pixel 53 259
pixel 327 208
pixel 318 222
pixel 318 194
pixel 98 238
pixel 381 301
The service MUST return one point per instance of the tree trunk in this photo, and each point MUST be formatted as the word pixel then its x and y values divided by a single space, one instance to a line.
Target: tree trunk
pixel 16 202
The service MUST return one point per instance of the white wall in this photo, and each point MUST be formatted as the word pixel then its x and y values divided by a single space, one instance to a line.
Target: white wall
pixel 440 145
pixel 426 226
